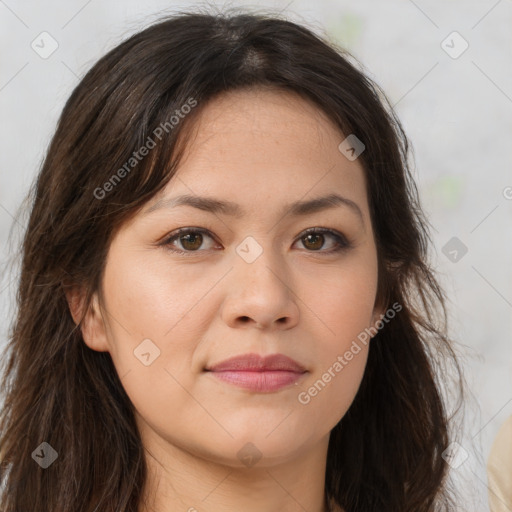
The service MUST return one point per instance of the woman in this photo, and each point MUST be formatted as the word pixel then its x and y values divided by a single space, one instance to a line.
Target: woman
pixel 225 302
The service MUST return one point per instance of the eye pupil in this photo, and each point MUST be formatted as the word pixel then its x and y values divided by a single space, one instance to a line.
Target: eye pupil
pixel 315 237
pixel 195 237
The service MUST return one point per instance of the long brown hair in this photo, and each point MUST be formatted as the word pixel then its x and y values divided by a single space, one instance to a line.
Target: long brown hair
pixel 386 452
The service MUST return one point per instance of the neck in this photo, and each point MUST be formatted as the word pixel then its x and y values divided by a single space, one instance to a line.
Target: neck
pixel 180 480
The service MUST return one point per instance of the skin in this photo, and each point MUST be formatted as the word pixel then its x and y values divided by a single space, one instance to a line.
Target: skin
pixel 261 149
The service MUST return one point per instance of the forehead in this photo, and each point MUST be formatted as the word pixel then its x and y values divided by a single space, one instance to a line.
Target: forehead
pixel 265 146
pixel 270 116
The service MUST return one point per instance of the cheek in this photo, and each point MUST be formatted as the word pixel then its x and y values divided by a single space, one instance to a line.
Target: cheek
pixel 148 297
pixel 341 356
pixel 153 335
pixel 155 320
pixel 343 307
pixel 343 301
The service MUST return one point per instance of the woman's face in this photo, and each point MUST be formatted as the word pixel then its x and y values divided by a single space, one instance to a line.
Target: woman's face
pixel 249 281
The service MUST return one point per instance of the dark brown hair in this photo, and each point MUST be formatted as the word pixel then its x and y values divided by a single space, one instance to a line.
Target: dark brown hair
pixel 386 452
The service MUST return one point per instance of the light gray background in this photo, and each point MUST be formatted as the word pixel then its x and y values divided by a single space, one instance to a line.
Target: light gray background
pixel 457 113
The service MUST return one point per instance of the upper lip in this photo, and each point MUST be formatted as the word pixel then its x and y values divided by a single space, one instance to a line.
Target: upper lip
pixel 257 363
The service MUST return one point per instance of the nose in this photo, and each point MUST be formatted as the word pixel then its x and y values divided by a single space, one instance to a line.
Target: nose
pixel 260 295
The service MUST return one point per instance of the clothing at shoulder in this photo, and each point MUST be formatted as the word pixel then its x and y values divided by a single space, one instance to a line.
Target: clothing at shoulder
pixel 499 470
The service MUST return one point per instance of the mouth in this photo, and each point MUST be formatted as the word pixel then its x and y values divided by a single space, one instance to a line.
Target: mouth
pixel 257 373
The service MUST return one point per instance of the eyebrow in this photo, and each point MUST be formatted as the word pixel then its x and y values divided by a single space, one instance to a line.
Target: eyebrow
pixel 297 208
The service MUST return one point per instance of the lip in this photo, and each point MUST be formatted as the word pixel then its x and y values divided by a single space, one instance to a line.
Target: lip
pixel 257 363
pixel 257 373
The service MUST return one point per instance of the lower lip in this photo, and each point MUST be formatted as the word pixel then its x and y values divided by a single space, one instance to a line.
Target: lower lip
pixel 265 381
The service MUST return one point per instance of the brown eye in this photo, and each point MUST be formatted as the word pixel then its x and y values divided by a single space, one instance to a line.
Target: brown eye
pixel 314 239
pixel 188 240
pixel 191 241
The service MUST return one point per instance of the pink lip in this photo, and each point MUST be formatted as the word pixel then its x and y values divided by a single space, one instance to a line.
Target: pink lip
pixel 264 374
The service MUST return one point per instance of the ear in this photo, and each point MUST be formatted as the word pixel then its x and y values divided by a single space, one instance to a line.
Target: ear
pixel 93 324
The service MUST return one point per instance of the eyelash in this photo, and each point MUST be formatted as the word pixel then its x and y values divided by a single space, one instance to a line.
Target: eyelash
pixel 342 243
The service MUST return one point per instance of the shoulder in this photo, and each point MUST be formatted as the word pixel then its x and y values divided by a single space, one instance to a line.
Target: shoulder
pixel 499 468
